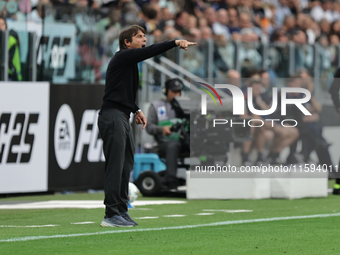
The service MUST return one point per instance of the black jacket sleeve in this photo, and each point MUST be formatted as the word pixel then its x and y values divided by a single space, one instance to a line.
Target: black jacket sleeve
pixel 131 56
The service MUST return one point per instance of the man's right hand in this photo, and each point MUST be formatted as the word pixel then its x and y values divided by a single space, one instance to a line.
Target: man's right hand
pixel 166 130
pixel 184 44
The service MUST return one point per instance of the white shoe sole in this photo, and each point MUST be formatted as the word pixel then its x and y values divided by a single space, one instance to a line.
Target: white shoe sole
pixel 106 224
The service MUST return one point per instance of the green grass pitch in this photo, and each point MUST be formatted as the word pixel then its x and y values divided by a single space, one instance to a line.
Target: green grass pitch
pixel 317 235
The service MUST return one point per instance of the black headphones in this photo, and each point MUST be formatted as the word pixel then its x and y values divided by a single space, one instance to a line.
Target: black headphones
pixel 174 83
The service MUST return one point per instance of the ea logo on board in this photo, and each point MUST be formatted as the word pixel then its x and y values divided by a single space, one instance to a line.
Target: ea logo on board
pixel 64 136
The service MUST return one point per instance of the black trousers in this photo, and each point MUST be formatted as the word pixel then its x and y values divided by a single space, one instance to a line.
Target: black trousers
pixel 170 149
pixel 118 146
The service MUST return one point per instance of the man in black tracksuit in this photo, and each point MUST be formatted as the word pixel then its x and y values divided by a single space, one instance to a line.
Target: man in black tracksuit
pixel 121 86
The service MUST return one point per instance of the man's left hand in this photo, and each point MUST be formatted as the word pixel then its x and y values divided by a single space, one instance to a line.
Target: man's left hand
pixel 141 119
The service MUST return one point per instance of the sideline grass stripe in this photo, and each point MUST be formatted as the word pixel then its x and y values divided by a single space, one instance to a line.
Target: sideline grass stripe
pixel 28 238
pixel 33 226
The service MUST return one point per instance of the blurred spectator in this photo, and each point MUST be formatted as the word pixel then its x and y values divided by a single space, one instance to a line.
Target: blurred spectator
pixel 294 6
pixel 221 26
pixel 233 77
pixel 279 36
pixel 323 40
pixel 43 11
pixel 245 6
pixel 307 26
pixel 181 23
pixel 112 27
pixel 90 52
pixel 289 23
pixel 233 21
pixel 14 64
pixel 258 12
pixel 219 65
pixel 282 10
pixel 310 130
pixel 334 40
pixel 283 136
pixel 210 15
pixel 227 4
pixel 148 17
pixel 265 79
pixel 325 27
pixel 324 11
pixel 226 50
pixel 260 101
pixel 202 22
pixel 299 37
pixel 165 17
pixel 82 3
pixel 11 10
pixel 206 33
pixel 268 22
pixel 170 33
pixel 249 32
pixel 251 74
pixel 192 22
pixel 335 28
pixel 130 12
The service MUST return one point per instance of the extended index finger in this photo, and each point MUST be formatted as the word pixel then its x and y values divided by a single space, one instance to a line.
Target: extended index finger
pixel 192 43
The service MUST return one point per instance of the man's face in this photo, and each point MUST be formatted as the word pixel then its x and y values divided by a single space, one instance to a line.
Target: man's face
pixel 138 41
pixel 2 25
pixel 222 17
pixel 172 94
pixel 232 15
pixel 245 20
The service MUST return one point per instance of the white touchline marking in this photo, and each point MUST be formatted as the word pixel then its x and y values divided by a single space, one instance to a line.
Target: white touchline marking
pixel 175 215
pixel 81 223
pixel 204 213
pixel 28 238
pixel 85 204
pixel 227 211
pixel 33 226
pixel 147 217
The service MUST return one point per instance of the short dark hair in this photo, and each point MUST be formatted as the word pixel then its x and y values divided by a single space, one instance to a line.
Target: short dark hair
pixel 127 34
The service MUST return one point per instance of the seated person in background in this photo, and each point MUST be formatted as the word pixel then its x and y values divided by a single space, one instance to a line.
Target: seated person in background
pixel 309 127
pixel 161 116
pixel 261 101
pixel 14 64
pixel 281 136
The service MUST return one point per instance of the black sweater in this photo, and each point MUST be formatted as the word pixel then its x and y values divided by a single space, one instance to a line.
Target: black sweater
pixel 122 76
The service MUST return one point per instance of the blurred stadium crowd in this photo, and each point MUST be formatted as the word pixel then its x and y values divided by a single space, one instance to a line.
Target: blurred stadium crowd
pixel 239 30
pixel 300 21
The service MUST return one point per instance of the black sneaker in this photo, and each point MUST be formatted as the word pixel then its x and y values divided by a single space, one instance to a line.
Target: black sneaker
pixel 127 217
pixel 116 221
pixel 336 189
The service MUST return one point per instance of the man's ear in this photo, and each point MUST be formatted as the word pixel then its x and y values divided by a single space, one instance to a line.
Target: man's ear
pixel 128 44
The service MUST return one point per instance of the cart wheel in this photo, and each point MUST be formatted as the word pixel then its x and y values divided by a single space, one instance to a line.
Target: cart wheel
pixel 149 183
